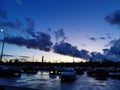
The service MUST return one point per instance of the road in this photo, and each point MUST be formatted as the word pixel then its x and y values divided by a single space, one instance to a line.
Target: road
pixel 42 81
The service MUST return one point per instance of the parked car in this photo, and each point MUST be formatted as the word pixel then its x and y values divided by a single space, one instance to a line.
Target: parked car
pixel 79 70
pixel 68 74
pixel 54 72
pixel 7 71
pixel 98 72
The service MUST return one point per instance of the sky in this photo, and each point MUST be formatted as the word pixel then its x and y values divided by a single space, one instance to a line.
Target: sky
pixel 60 30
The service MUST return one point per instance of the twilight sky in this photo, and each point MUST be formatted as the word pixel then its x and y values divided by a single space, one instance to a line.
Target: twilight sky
pixel 72 28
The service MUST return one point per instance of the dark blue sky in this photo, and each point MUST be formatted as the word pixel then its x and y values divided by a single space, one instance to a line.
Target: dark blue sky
pixel 82 20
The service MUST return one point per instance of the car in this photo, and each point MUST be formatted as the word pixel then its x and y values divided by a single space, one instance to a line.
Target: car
pixel 79 70
pixel 68 74
pixel 8 71
pixel 98 72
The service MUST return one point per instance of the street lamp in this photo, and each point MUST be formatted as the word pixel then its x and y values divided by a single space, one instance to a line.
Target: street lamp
pixel 2 45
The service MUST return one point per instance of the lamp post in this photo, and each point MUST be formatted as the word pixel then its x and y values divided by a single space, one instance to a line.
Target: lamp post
pixel 73 56
pixel 2 45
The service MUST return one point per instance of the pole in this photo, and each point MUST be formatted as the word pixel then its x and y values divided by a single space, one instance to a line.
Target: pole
pixel 73 60
pixel 33 58
pixel 42 59
pixel 2 48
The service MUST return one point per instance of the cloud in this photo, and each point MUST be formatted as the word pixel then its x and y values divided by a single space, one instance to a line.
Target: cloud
pixel 17 25
pixel 93 38
pixel 113 53
pixel 59 34
pixel 102 38
pixel 105 50
pixel 107 34
pixel 41 42
pixel 113 19
pixel 3 13
pixel 115 48
pixel 48 30
pixel 109 37
pixel 84 54
pixel 6 55
pixel 65 48
pixel 37 40
pixel 97 56
pixel 27 27
pixel 24 56
pixel 107 54
pixel 83 45
pixel 106 37
pixel 30 29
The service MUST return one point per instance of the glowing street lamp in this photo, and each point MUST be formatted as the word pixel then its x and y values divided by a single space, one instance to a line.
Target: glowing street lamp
pixel 1 30
pixel 2 45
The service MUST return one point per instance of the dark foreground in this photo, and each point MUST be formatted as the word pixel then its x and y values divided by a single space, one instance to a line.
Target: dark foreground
pixel 5 87
pixel 42 81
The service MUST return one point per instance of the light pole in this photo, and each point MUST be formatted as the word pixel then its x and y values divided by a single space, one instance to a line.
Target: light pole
pixel 2 46
pixel 73 56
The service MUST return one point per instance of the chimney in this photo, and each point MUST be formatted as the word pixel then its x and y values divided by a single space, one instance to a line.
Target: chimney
pixel 42 59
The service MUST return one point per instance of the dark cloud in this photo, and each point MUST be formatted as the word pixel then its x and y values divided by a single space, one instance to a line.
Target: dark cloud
pixel 6 55
pixel 17 25
pixel 113 18
pixel 24 56
pixel 97 56
pixel 93 38
pixel 114 49
pixel 49 30
pixel 27 27
pixel 113 53
pixel 108 54
pixel 107 34
pixel 41 42
pixel 37 40
pixel 102 38
pixel 3 13
pixel 65 48
pixel 109 37
pixel 105 50
pixel 30 29
pixel 60 34
pixel 84 54
pixel 106 37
